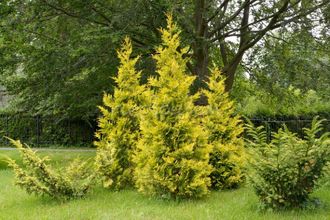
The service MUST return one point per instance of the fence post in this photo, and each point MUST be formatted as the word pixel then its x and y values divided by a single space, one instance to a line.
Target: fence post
pixel 268 129
pixel 7 128
pixel 38 129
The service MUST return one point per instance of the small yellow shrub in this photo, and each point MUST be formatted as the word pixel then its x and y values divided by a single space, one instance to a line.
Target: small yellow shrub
pixel 36 176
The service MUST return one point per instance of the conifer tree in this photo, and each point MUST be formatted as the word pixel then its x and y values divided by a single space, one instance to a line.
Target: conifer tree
pixel 119 125
pixel 225 128
pixel 39 177
pixel 173 154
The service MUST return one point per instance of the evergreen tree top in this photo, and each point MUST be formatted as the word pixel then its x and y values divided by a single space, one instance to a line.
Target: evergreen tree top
pixel 171 66
pixel 127 77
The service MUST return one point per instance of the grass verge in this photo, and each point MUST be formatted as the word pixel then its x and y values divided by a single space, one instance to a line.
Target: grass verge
pixel 15 203
pixel 57 156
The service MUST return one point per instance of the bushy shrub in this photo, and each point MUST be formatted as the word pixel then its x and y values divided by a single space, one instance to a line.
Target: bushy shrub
pixel 173 154
pixel 285 171
pixel 224 128
pixel 36 176
pixel 119 126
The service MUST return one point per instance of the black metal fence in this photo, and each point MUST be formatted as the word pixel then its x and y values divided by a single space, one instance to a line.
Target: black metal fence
pixel 294 124
pixel 40 131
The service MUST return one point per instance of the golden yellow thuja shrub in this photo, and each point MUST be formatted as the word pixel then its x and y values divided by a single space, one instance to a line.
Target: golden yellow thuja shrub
pixel 225 129
pixel 119 125
pixel 172 158
pixel 38 177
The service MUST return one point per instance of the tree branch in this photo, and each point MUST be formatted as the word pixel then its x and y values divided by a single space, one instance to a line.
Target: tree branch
pixel 232 17
pixel 72 14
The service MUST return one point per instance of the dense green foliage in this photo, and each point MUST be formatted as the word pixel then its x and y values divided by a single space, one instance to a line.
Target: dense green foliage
pixel 173 153
pixel 300 61
pixel 285 171
pixel 224 128
pixel 58 57
pixel 36 176
pixel 119 125
pixel 288 77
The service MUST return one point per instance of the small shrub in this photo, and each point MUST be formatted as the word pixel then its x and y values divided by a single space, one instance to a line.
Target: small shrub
pixel 285 171
pixel 36 176
pixel 172 155
pixel 224 128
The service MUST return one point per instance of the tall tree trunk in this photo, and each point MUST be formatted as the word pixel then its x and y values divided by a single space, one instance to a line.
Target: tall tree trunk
pixel 229 72
pixel 231 67
pixel 200 48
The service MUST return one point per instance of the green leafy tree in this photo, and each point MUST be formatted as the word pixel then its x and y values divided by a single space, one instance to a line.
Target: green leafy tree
pixel 57 57
pixel 225 128
pixel 286 77
pixel 119 125
pixel 212 25
pixel 172 155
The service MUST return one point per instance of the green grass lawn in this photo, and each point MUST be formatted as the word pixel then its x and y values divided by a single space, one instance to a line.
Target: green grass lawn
pixel 57 156
pixel 15 203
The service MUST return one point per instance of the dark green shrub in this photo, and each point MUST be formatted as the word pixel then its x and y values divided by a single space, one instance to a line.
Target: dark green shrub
pixel 36 176
pixel 285 171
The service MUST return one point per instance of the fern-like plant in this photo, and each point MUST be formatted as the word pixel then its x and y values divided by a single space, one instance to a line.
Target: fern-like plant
pixel 285 171
pixel 119 125
pixel 173 154
pixel 225 129
pixel 38 177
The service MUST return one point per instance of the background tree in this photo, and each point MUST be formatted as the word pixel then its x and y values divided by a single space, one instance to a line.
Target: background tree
pixel 286 75
pixel 58 56
pixel 236 26
pixel 296 55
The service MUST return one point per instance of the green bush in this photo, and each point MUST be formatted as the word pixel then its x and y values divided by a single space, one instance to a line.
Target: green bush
pixel 173 154
pixel 285 171
pixel 36 176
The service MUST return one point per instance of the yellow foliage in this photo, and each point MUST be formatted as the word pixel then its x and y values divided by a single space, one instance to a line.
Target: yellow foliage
pixel 36 176
pixel 119 125
pixel 172 155
pixel 225 129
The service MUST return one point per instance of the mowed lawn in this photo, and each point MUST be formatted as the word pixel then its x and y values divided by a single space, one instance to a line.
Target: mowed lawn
pixel 239 204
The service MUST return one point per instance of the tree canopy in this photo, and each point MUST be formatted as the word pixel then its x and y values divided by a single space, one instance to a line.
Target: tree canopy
pixel 58 57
